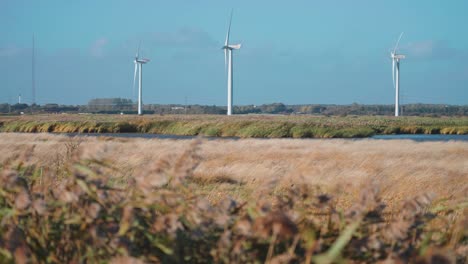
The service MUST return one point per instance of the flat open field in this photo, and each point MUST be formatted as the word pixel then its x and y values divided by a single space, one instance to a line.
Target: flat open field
pixel 243 126
pixel 225 201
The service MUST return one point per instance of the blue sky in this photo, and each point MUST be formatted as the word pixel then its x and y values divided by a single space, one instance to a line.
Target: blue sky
pixel 295 52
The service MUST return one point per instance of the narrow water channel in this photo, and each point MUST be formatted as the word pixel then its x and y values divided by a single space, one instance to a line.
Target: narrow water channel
pixel 418 138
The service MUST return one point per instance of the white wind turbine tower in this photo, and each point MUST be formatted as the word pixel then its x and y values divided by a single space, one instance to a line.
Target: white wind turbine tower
pixel 139 70
pixel 396 74
pixel 228 48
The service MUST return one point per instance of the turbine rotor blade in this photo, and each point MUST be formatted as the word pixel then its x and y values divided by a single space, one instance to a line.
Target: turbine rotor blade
pixel 226 43
pixel 398 42
pixel 138 50
pixel 393 73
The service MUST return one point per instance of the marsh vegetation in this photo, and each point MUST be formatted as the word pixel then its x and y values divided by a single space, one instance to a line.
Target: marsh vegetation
pixel 238 126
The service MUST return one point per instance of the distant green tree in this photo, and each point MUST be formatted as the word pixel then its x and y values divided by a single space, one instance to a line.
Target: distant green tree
pixel 109 104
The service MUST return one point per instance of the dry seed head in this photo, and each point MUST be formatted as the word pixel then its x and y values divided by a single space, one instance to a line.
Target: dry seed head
pixel 243 227
pixel 127 213
pixel 397 230
pixel 275 223
pixel 282 259
pixel 93 211
pixel 225 241
pixel 21 255
pixel 65 195
pixel 391 259
pixel 92 152
pixel 22 200
pixel 8 178
pixel 369 200
pixel 73 148
pixel 171 169
pixel 228 205
pixel 39 206
pixel 27 154
pixel 186 164
pixel 462 250
pixel 154 177
pixel 125 260
pixel 222 219
pixel 168 224
pixel 203 205
pixel 416 205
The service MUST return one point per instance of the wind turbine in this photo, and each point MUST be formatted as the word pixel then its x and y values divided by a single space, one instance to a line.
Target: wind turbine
pixel 396 74
pixel 228 48
pixel 139 70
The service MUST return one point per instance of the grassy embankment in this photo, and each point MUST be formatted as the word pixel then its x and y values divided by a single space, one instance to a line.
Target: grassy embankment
pixel 92 200
pixel 238 126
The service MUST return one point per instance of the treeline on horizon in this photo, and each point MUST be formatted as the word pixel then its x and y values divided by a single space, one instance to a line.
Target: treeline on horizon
pixel 126 106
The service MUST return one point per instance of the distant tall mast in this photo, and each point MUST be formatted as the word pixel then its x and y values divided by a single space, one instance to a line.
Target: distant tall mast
pixel 33 72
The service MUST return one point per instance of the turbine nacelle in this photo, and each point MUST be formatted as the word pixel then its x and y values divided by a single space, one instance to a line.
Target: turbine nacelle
pixel 235 47
pixel 142 61
pixel 232 47
pixel 398 56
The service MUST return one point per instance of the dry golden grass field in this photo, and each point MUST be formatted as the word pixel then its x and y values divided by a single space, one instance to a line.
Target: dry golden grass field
pixel 335 199
pixel 400 168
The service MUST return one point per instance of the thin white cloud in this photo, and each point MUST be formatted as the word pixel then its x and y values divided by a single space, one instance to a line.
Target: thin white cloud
pixel 10 51
pixel 189 37
pixel 422 48
pixel 430 49
pixel 97 48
